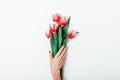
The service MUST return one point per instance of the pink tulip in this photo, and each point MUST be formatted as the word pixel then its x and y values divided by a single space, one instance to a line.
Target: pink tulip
pixel 63 21
pixel 71 34
pixel 53 28
pixel 48 34
pixel 56 17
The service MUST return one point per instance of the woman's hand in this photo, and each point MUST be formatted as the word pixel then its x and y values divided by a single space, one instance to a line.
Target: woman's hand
pixel 57 62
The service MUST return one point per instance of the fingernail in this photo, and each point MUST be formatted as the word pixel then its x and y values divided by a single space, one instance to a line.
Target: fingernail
pixel 63 45
pixel 49 51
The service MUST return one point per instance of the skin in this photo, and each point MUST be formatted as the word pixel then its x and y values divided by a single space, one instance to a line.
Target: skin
pixel 57 62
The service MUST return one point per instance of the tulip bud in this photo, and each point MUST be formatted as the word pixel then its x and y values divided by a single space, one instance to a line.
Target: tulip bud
pixel 53 28
pixel 71 34
pixel 56 17
pixel 63 21
pixel 48 34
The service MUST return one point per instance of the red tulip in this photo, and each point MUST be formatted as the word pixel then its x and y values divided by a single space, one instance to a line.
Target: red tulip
pixel 63 21
pixel 53 28
pixel 71 34
pixel 56 17
pixel 48 34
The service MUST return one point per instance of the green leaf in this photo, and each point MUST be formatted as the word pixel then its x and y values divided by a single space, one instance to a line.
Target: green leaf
pixel 65 41
pixel 52 46
pixel 59 37
pixel 53 43
pixel 55 36
pixel 66 27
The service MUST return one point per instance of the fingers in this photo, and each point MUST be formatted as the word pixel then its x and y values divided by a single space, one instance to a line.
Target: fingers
pixel 62 60
pixel 62 57
pixel 50 55
pixel 59 52
pixel 63 53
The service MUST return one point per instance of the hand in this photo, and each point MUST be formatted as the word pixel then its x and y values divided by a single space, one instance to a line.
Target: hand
pixel 57 62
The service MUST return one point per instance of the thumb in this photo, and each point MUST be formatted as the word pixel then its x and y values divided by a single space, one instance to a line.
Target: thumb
pixel 50 55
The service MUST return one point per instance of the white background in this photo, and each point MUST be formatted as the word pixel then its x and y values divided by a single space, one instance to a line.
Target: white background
pixel 93 55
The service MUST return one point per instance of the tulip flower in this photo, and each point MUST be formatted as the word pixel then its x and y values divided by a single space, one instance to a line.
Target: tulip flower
pixel 63 21
pixel 48 34
pixel 53 28
pixel 56 17
pixel 71 34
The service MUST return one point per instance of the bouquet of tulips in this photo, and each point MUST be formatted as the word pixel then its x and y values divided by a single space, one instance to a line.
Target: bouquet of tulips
pixel 58 33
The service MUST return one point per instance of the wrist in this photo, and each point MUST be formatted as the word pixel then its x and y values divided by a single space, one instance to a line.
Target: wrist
pixel 56 75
